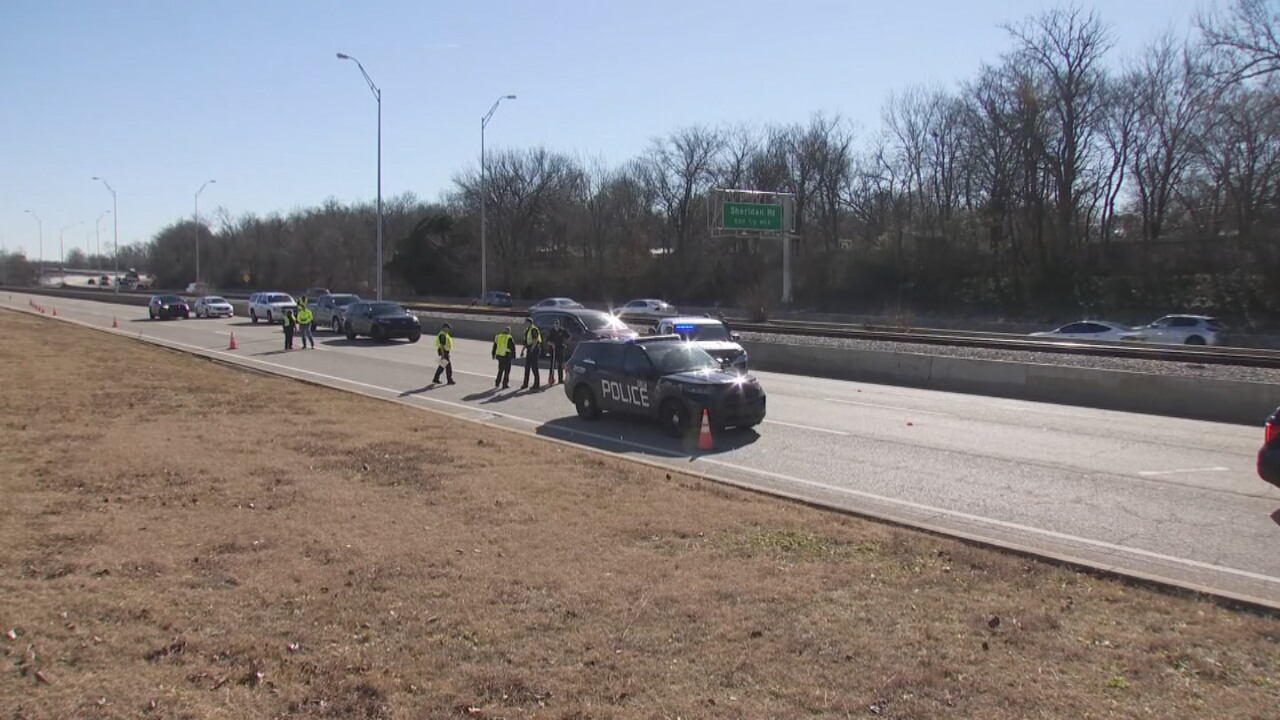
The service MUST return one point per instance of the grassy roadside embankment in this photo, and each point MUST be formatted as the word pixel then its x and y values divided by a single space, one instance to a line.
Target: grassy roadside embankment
pixel 182 539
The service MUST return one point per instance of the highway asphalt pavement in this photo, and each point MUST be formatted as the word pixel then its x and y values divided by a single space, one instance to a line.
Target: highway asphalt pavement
pixel 1162 498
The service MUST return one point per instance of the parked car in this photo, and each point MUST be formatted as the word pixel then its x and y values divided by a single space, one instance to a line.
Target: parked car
pixel 313 294
pixel 497 298
pixel 645 309
pixel 663 379
pixel 381 321
pixel 270 306
pixel 1269 455
pixel 555 302
pixel 1093 330
pixel 1184 330
pixel 328 310
pixel 167 307
pixel 710 334
pixel 213 306
pixel 582 324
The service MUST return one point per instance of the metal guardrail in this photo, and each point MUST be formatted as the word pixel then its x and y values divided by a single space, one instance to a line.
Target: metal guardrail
pixel 1219 355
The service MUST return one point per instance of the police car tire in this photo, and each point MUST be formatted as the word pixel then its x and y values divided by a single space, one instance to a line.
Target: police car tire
pixel 675 418
pixel 584 401
pixel 351 332
pixel 253 316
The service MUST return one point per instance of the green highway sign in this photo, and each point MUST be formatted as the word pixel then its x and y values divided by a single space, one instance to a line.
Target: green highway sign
pixel 752 216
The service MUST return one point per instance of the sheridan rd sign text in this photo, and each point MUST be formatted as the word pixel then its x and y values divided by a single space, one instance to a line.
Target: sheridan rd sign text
pixel 752 216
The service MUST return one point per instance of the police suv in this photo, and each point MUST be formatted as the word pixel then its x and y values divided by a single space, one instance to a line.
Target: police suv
pixel 664 378
pixel 710 334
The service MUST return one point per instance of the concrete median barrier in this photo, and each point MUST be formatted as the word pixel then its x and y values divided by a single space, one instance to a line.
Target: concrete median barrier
pixel 1230 401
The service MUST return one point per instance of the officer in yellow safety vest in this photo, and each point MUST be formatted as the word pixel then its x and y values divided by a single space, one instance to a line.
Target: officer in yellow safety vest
pixel 504 351
pixel 306 325
pixel 444 348
pixel 532 353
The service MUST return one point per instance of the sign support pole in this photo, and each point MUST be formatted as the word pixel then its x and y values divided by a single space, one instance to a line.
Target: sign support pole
pixel 788 208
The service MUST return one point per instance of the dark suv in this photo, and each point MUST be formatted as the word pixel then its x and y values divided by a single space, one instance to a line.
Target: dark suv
pixel 582 324
pixel 381 321
pixel 662 378
pixel 165 307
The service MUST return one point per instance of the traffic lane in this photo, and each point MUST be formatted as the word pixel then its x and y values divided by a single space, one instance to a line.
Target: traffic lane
pixel 1177 452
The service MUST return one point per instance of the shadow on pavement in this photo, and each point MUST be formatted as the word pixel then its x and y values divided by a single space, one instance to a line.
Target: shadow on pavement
pixel 425 388
pixel 364 342
pixel 1275 517
pixel 616 433
pixel 281 351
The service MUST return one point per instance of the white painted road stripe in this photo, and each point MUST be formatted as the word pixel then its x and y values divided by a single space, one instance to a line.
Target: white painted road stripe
pixel 1155 473
pixel 887 407
pixel 807 427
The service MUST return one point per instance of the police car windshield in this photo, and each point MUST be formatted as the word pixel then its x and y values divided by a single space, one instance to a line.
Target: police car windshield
pixel 385 309
pixel 675 357
pixel 706 332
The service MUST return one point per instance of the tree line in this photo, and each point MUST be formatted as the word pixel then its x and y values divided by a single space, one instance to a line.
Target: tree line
pixel 1059 179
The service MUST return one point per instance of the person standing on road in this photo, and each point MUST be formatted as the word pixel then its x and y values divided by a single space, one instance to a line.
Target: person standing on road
pixel 306 324
pixel 559 339
pixel 532 352
pixel 444 350
pixel 504 351
pixel 290 324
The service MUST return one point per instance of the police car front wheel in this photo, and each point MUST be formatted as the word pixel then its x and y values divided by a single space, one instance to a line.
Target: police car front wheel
pixel 675 418
pixel 585 402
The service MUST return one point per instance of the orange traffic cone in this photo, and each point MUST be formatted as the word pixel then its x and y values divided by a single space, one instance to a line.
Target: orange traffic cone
pixel 704 435
pixel 55 312
pixel 232 344
pixel 114 324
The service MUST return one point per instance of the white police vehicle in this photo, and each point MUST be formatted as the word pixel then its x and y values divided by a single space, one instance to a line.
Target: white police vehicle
pixel 711 335
pixel 663 378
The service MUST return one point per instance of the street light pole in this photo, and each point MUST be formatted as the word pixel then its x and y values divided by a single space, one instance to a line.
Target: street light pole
pixel 115 221
pixel 484 197
pixel 377 95
pixel 62 251
pixel 97 231
pixel 197 223
pixel 40 258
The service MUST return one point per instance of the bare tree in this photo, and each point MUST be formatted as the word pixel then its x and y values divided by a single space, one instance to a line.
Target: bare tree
pixel 1243 39
pixel 680 168
pixel 1064 50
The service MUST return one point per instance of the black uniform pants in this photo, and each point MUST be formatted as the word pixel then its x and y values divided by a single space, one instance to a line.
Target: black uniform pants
pixel 557 364
pixel 532 355
pixel 447 369
pixel 504 372
pixel 288 337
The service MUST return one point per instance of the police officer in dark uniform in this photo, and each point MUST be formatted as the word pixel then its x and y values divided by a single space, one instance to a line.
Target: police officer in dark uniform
pixel 559 340
pixel 532 353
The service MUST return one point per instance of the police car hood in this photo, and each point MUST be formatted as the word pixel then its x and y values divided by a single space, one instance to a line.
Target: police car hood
pixel 704 377
pixel 718 347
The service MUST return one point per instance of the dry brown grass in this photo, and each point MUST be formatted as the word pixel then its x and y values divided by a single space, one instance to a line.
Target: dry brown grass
pixel 338 557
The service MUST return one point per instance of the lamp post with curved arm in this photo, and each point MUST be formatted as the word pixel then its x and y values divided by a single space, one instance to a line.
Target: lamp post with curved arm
pixel 197 223
pixel 377 95
pixel 115 221
pixel 484 192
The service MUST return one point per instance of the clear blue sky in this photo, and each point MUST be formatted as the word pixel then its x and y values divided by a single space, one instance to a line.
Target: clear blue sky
pixel 159 96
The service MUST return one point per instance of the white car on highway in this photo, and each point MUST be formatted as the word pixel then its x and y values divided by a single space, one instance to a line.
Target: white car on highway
pixel 213 306
pixel 270 306
pixel 646 309
pixel 1184 330
pixel 1093 330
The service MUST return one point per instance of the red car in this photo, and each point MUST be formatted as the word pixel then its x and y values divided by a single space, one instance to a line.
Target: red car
pixel 1269 455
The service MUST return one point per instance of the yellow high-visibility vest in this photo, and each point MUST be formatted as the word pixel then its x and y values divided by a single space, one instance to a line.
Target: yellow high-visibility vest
pixel 502 341
pixel 305 316
pixel 532 335
pixel 444 341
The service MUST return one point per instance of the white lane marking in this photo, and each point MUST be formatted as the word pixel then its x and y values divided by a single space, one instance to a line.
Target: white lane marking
pixel 1155 473
pixel 887 407
pixel 806 427
pixel 920 507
